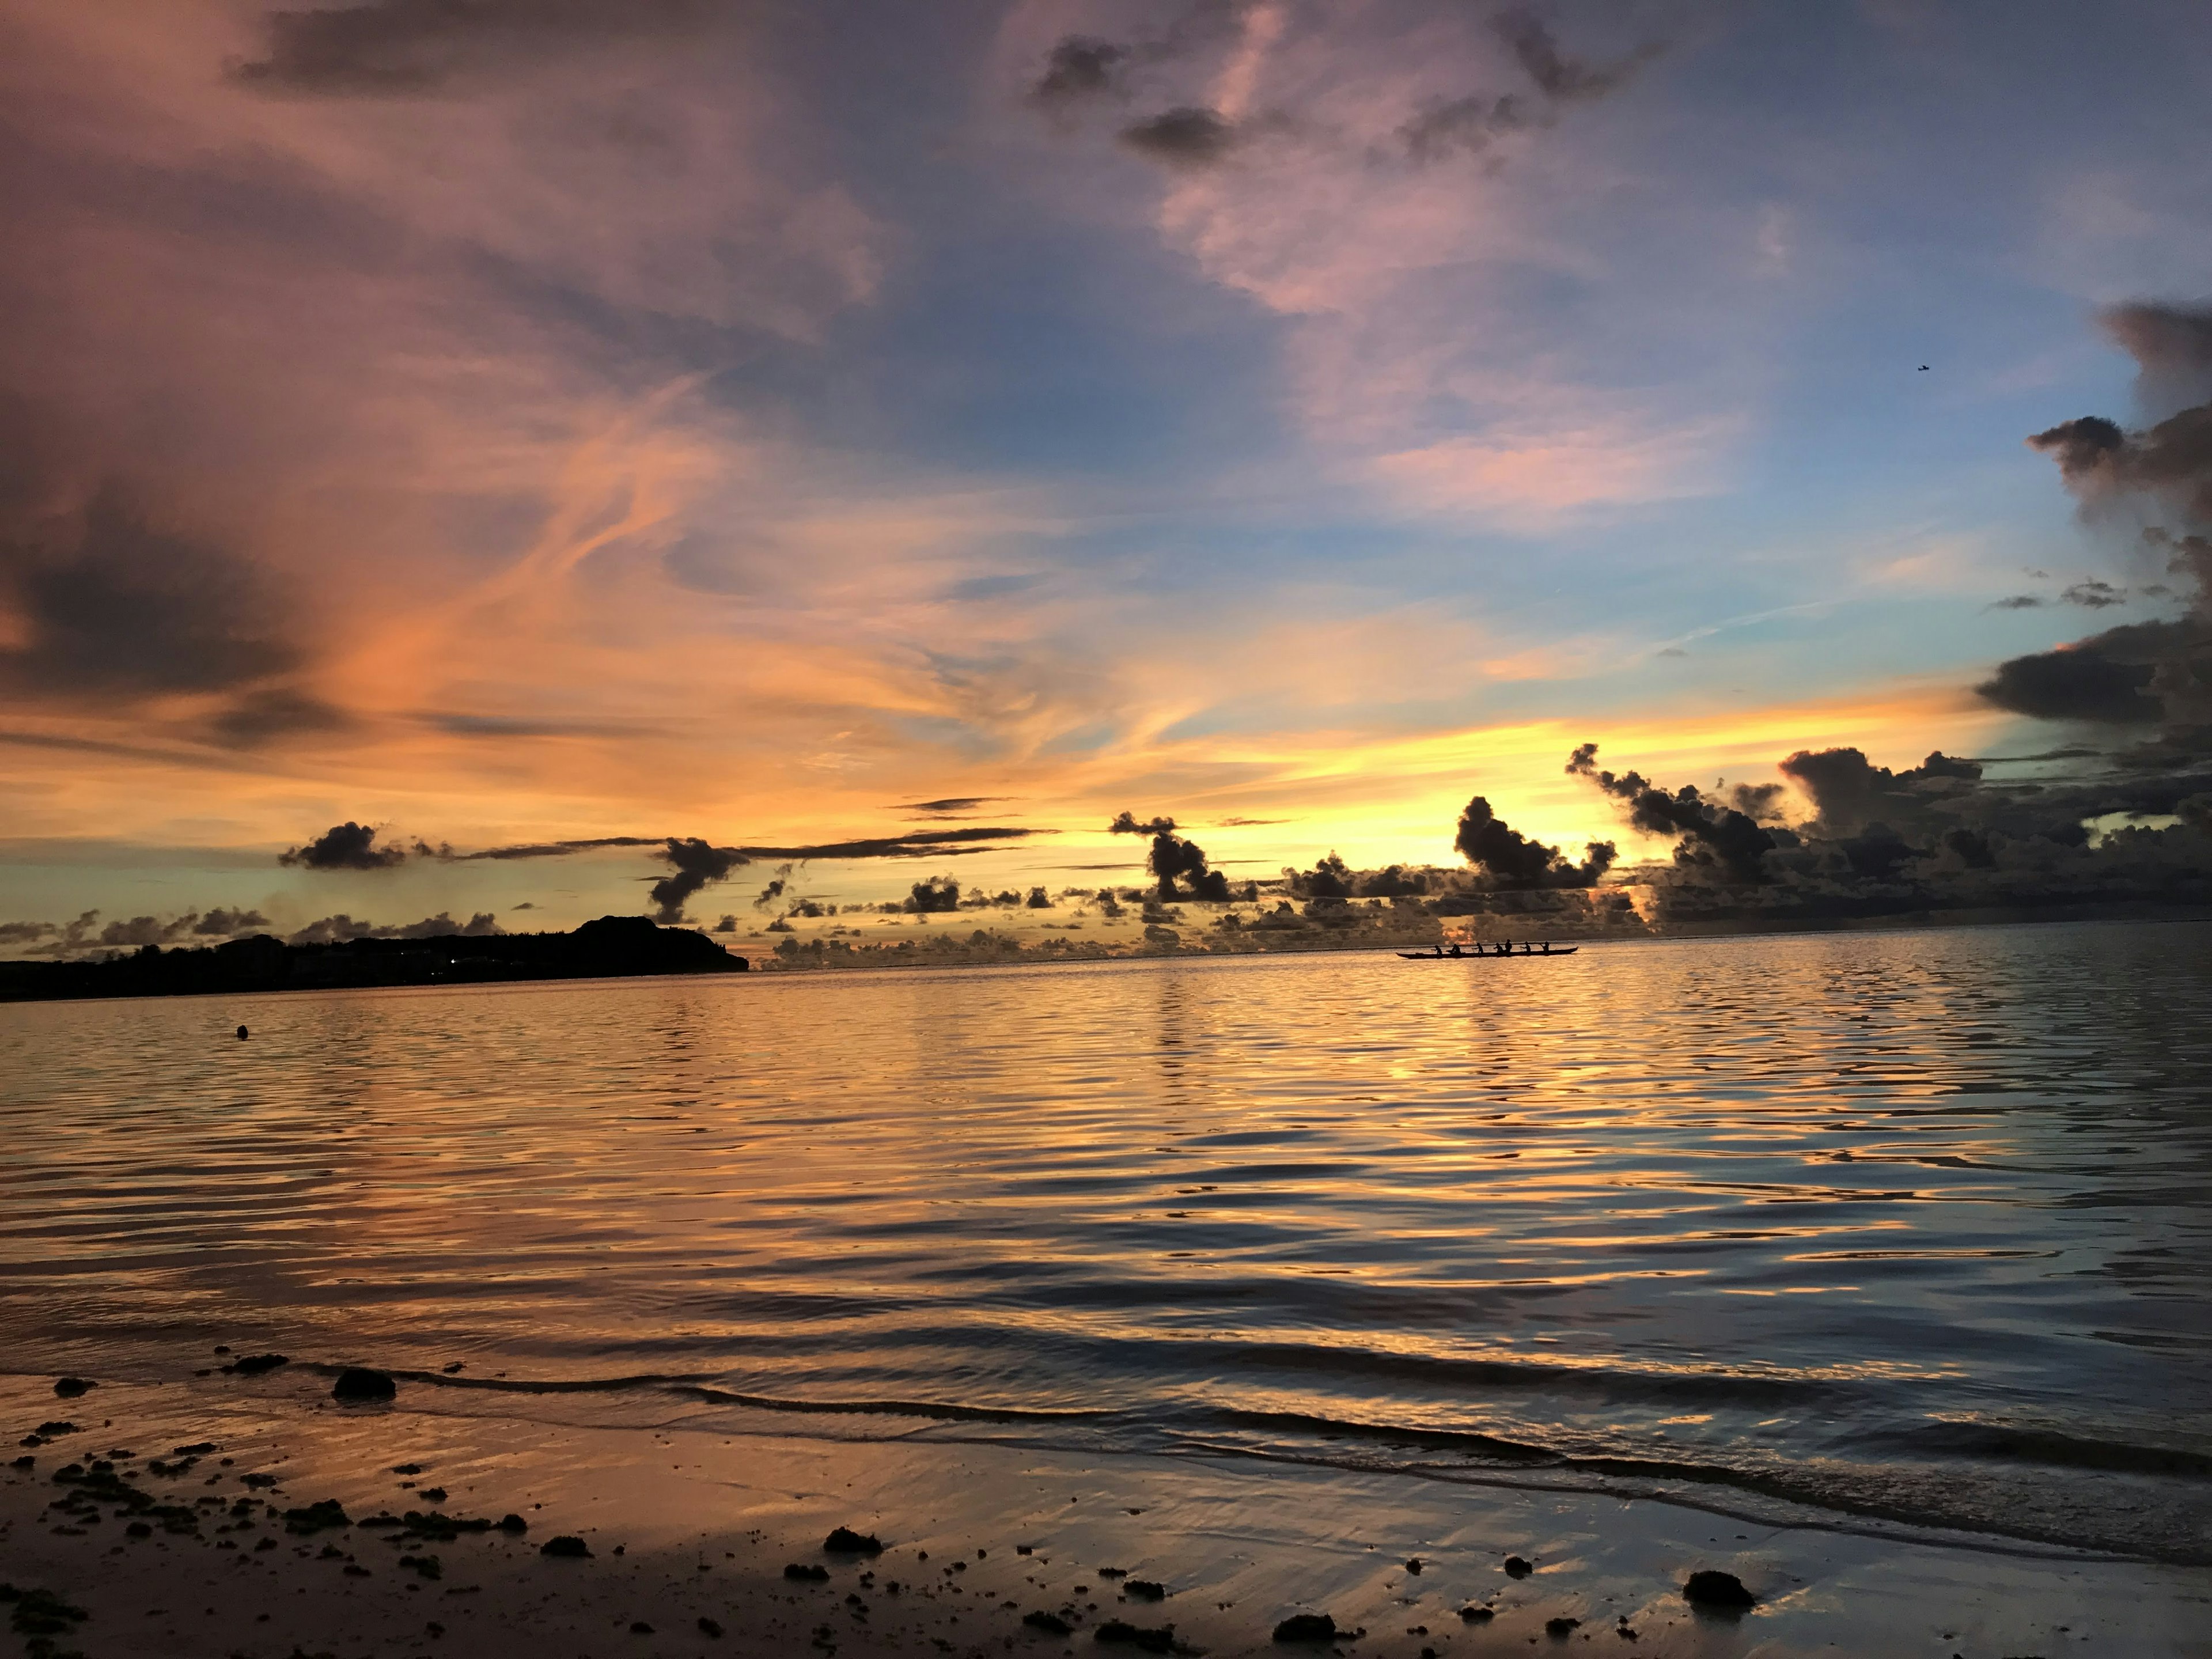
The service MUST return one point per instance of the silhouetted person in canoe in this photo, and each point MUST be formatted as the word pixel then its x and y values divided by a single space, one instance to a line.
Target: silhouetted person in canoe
pixel 1547 951
pixel 1455 951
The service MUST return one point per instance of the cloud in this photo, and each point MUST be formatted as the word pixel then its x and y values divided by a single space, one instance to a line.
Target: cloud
pixel 1563 79
pixel 191 929
pixel 2104 679
pixel 951 807
pixel 1513 860
pixel 341 929
pixel 113 606
pixel 2173 348
pixel 221 923
pixel 1848 792
pixel 347 846
pixel 931 897
pixel 1190 136
pixel 2151 673
pixel 694 863
pixel 1706 833
pixel 2017 602
pixel 1174 861
pixel 1078 69
pixel 1461 125
pixel 2095 595
pixel 395 47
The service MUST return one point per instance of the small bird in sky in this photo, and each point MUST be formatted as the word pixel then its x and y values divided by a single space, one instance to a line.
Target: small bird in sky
pixel 1923 368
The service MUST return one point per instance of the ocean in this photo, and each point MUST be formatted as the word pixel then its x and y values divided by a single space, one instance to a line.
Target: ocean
pixel 1904 1231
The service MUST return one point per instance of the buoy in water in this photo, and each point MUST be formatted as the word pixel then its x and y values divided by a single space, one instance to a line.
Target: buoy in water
pixel 241 1034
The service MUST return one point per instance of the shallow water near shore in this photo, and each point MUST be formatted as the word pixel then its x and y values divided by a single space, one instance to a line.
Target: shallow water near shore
pixel 1891 1232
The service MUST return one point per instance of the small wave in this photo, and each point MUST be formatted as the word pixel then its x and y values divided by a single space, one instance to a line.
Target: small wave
pixel 2043 1446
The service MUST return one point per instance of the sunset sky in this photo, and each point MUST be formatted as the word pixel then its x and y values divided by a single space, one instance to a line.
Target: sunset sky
pixel 503 422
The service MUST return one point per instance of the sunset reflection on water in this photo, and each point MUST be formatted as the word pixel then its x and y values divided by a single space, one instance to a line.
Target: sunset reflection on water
pixel 1913 1220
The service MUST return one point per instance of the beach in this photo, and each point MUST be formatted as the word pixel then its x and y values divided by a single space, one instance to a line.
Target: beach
pixel 685 1525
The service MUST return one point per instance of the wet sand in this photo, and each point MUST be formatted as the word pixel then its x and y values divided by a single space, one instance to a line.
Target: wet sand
pixel 691 1533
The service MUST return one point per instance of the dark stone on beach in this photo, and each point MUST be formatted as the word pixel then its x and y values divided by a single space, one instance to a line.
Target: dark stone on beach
pixel 1117 1631
pixel 1414 1563
pixel 565 1544
pixel 433 1494
pixel 26 1461
pixel 1307 1627
pixel 1024 1549
pixel 56 1426
pixel 806 1572
pixel 38 1613
pixel 1113 1572
pixel 327 1515
pixel 1475 1615
pixel 708 1627
pixel 1146 1589
pixel 254 1365
pixel 139 1529
pixel 453 1370
pixel 407 1468
pixel 1050 1623
pixel 639 1627
pixel 845 1541
pixel 242 1034
pixel 1720 1591
pixel 1561 1627
pixel 357 1383
pixel 514 1523
pixel 69 1387
pixel 1517 1568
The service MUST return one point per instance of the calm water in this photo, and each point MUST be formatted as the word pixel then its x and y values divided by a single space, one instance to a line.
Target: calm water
pixel 1904 1228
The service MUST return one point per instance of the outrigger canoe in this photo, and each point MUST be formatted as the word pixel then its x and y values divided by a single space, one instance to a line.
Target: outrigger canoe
pixel 1487 956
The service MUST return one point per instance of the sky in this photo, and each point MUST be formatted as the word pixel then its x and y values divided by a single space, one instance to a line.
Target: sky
pixel 500 423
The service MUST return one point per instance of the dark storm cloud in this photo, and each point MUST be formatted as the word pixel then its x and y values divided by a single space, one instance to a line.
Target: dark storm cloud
pixel 1462 125
pixel 2172 348
pixel 951 807
pixel 133 933
pixel 2017 602
pixel 1705 832
pixel 2095 595
pixel 398 47
pixel 1467 126
pixel 1080 68
pixel 1174 861
pixel 1563 79
pixel 2149 674
pixel 341 929
pixel 693 864
pixel 116 606
pixel 1514 860
pixel 266 713
pixel 1190 137
pixel 346 846
pixel 2105 679
pixel 1848 792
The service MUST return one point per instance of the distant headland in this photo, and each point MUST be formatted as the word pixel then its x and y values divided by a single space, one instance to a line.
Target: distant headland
pixel 611 947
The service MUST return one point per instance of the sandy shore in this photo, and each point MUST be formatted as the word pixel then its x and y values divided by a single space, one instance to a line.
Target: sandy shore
pixel 689 1534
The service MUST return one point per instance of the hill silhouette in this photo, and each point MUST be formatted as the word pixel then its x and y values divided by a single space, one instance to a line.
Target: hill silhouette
pixel 611 947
